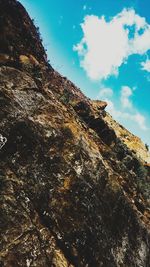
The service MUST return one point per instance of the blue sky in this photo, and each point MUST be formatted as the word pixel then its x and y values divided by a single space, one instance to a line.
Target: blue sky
pixel 103 46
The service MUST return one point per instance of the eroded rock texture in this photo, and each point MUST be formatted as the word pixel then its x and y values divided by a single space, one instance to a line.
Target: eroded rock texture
pixel 72 192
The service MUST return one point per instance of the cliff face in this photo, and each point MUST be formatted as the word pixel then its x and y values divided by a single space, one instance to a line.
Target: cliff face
pixel 133 142
pixel 72 192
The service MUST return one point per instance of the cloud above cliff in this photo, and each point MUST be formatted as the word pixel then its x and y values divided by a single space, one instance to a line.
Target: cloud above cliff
pixel 125 111
pixel 146 65
pixel 107 44
pixel 105 92
pixel 126 93
pixel 124 116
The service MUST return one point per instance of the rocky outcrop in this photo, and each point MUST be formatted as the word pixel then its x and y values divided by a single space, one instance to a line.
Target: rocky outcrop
pixel 72 192
pixel 133 142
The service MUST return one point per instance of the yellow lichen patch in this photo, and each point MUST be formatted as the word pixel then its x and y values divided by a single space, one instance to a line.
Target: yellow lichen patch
pixel 73 127
pixel 24 59
pixel 28 60
pixel 66 186
pixel 59 260
pixel 136 145
pixel 131 141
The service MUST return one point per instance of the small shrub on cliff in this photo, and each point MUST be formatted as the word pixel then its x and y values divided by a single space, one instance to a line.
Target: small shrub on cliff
pixel 147 147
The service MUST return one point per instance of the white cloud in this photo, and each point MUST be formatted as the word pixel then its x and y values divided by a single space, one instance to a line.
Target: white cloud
pixel 84 7
pixel 126 92
pixel 140 119
pixel 124 111
pixel 146 65
pixel 126 117
pixel 106 45
pixel 105 92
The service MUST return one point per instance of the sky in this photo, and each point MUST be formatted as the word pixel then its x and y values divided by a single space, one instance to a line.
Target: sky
pixel 103 46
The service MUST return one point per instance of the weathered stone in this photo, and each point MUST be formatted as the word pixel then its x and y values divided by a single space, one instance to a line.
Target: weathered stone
pixel 100 105
pixel 72 192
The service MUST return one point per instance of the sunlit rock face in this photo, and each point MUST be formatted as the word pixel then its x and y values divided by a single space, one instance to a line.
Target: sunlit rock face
pixel 72 191
pixel 133 142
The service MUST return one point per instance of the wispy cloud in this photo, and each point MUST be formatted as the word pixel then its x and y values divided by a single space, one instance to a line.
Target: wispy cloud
pixel 106 45
pixel 105 92
pixel 125 111
pixel 125 116
pixel 126 92
pixel 146 65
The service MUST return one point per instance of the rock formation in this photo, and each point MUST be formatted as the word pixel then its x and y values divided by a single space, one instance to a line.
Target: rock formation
pixel 73 192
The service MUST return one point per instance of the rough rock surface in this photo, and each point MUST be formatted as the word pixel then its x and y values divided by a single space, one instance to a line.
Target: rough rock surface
pixel 133 142
pixel 72 193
